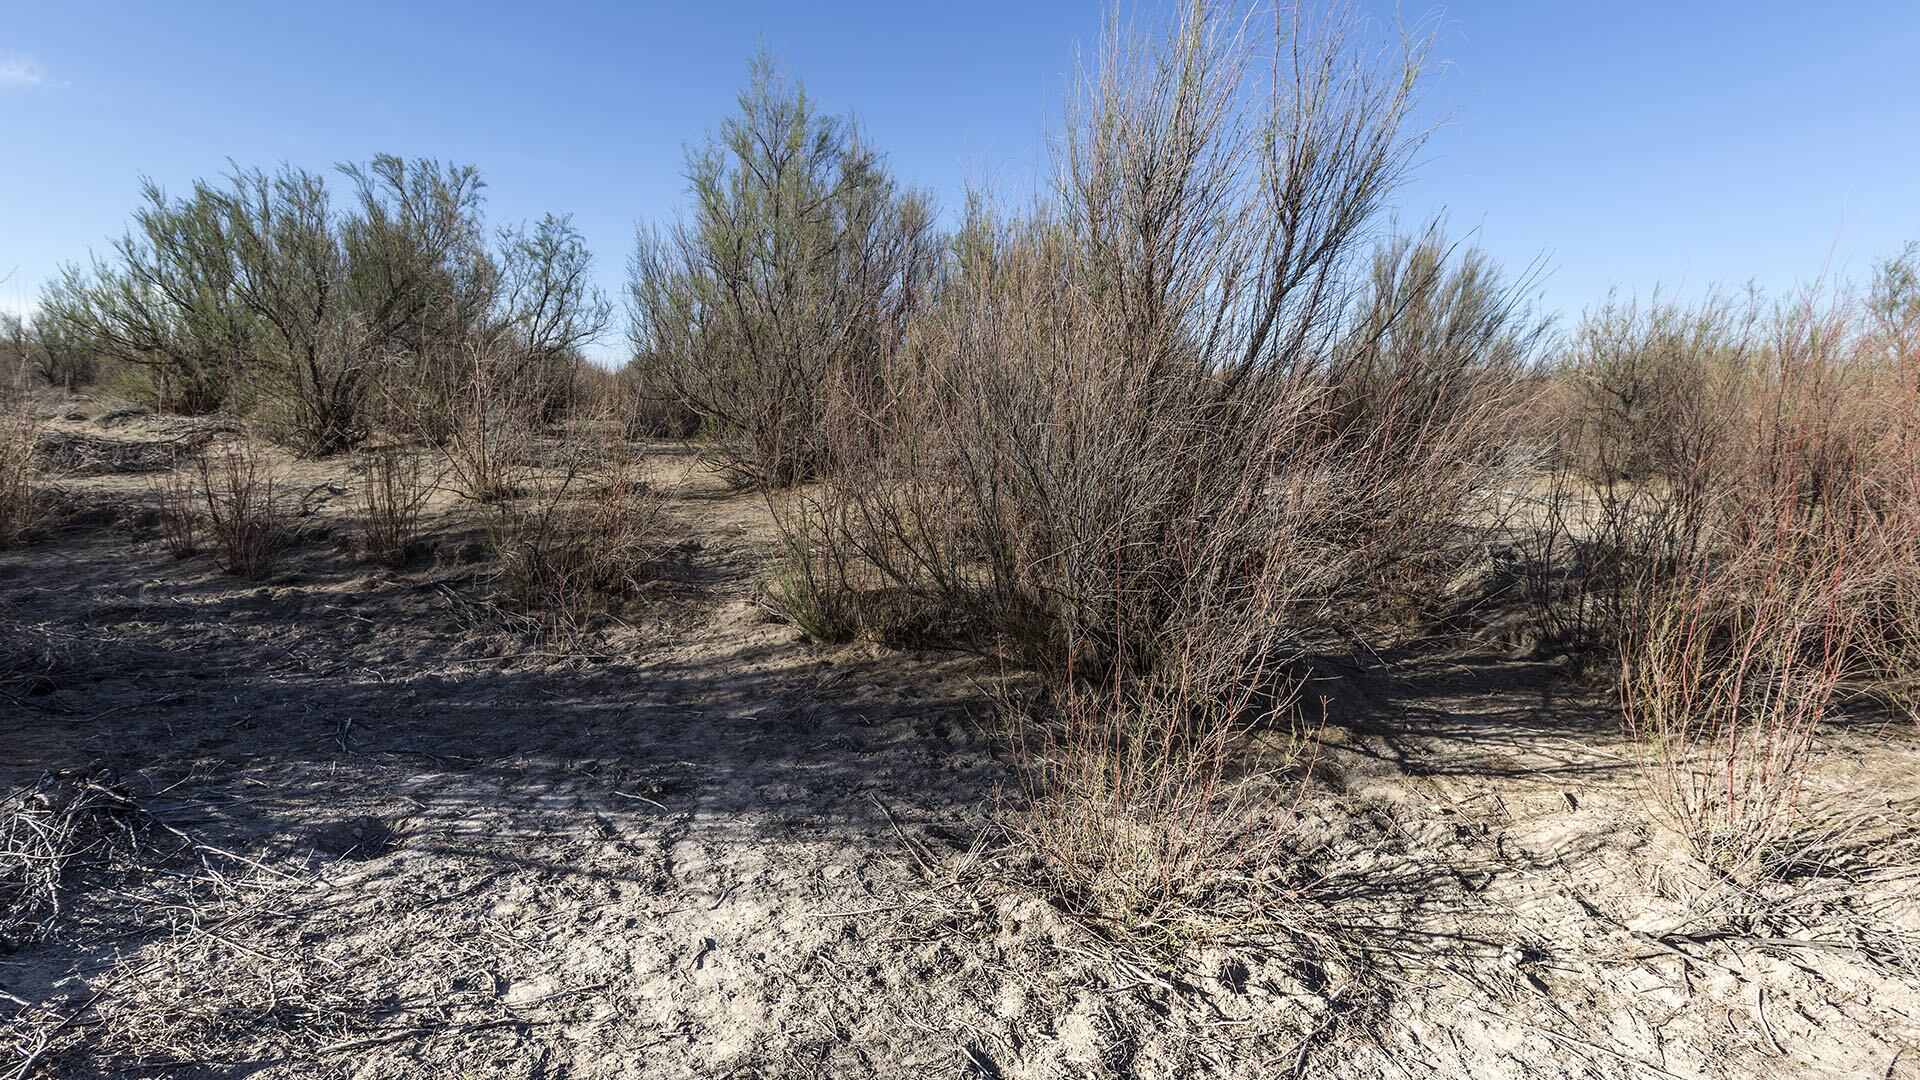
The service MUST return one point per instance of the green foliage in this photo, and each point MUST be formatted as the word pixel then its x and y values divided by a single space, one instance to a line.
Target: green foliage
pixel 1427 327
pixel 41 348
pixel 797 273
pixel 162 304
pixel 260 293
pixel 549 306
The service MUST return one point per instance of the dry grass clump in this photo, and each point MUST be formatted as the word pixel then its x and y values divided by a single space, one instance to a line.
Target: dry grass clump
pixel 35 660
pixel 1138 804
pixel 808 583
pixel 164 1010
pixel 586 542
pixel 75 453
pixel 192 992
pixel 267 968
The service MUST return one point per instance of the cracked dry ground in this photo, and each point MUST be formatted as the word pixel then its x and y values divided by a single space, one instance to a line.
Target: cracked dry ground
pixel 709 849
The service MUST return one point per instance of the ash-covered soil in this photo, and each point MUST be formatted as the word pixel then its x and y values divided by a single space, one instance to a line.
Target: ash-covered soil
pixel 351 821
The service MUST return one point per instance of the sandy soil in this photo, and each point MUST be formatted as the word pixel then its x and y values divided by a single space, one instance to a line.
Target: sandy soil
pixel 421 845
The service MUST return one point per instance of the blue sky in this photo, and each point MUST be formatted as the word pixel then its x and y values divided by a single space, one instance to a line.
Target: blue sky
pixel 1626 144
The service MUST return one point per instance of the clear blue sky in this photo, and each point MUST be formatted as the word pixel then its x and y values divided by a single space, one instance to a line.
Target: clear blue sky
pixel 1625 143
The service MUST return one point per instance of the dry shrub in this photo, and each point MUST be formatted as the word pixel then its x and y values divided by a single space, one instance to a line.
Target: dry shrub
pixel 1725 684
pixel 1172 431
pixel 181 524
pixel 1678 427
pixel 24 503
pixel 1652 387
pixel 265 290
pixel 16 355
pixel 485 422
pixel 1739 490
pixel 658 418
pixel 245 526
pixel 1890 345
pixel 589 540
pixel 1890 635
pixel 1648 421
pixel 646 411
pixel 60 358
pixel 1134 409
pixel 398 484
